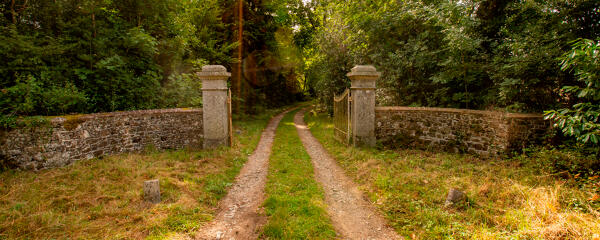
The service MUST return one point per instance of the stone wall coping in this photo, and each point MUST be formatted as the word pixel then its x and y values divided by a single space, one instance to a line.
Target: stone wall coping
pixel 85 117
pixel 214 75
pixel 214 72
pixel 364 71
pixel 214 68
pixel 456 110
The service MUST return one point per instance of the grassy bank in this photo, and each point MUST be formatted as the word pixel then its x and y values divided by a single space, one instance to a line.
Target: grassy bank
pixel 295 201
pixel 507 199
pixel 102 198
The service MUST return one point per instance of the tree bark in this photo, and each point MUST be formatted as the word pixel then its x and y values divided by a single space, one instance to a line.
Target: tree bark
pixel 94 22
pixel 13 12
pixel 238 80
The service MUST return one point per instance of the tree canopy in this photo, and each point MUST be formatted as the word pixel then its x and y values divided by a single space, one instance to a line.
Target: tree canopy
pixel 67 56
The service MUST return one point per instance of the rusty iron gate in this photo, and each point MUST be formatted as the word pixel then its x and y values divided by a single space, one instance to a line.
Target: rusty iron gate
pixel 341 117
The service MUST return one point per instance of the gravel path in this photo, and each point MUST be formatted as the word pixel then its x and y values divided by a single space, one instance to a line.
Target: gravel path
pixel 239 215
pixel 353 217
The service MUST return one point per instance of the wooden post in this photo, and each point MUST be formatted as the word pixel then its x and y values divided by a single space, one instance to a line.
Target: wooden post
pixel 230 119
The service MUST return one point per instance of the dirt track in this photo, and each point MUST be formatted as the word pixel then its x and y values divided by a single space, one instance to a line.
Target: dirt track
pixel 239 215
pixel 353 217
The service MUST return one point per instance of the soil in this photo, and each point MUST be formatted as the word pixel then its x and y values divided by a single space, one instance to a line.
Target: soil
pixel 352 215
pixel 240 215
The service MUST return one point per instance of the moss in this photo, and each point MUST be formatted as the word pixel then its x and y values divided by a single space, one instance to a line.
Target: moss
pixel 8 123
pixel 397 117
pixel 36 122
pixel 476 127
pixel 72 121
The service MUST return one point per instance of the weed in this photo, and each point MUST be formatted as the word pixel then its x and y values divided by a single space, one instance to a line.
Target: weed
pixel 102 198
pixel 295 201
pixel 508 199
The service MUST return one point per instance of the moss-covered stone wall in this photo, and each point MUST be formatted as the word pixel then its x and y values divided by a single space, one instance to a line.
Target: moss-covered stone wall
pixel 458 130
pixel 71 138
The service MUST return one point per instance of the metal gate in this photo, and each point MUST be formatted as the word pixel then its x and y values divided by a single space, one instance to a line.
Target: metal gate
pixel 229 116
pixel 341 117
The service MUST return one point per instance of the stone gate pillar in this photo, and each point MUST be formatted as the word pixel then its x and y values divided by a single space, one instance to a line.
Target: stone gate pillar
pixel 363 104
pixel 214 105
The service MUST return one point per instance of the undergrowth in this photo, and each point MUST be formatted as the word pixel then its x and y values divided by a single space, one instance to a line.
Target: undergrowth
pixel 508 198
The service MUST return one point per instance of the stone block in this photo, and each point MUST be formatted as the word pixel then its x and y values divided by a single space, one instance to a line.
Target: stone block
pixel 363 104
pixel 215 106
pixel 152 191
pixel 455 197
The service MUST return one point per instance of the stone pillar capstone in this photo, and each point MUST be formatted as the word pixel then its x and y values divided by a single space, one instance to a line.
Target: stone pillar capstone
pixel 363 104
pixel 214 105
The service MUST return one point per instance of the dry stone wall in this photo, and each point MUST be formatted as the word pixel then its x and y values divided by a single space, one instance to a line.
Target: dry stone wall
pixel 458 130
pixel 71 138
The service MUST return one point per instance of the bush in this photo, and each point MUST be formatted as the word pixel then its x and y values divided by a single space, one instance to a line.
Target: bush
pixel 29 96
pixel 582 119
pixel 183 90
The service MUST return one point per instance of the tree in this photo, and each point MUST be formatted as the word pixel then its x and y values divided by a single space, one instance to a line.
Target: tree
pixel 83 56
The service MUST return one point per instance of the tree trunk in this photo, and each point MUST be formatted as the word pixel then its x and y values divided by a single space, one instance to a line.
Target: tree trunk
pixel 238 78
pixel 13 12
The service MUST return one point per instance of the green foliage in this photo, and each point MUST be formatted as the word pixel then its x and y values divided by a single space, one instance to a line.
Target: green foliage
pixel 7 122
pixel 68 56
pixel 464 54
pixel 525 68
pixel 582 119
pixel 183 90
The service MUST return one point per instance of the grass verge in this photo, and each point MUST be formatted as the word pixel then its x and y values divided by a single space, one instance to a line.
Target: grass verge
pixel 295 201
pixel 102 198
pixel 507 199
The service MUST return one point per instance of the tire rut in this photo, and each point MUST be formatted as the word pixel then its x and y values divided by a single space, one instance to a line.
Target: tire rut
pixel 353 217
pixel 240 215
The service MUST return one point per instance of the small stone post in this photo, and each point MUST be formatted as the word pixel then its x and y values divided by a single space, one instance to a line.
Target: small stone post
pixel 152 191
pixel 214 105
pixel 363 104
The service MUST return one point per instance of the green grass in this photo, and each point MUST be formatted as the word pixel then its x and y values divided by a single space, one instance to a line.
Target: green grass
pixel 102 198
pixel 294 203
pixel 507 199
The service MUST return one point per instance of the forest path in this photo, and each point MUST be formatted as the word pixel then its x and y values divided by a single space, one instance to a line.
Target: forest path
pixel 239 215
pixel 353 217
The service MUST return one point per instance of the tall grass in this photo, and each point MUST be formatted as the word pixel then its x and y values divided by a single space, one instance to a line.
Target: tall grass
pixel 507 199
pixel 102 198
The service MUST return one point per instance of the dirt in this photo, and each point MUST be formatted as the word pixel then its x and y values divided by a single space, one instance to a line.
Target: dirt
pixel 240 215
pixel 353 217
